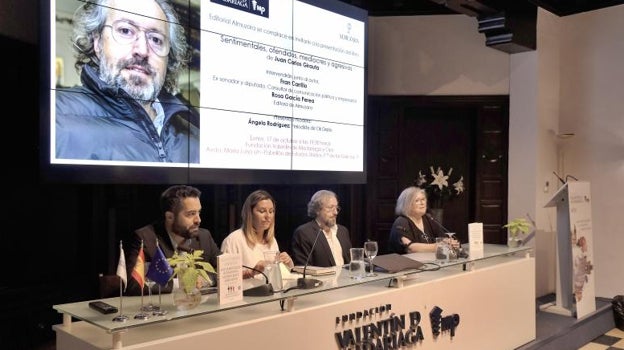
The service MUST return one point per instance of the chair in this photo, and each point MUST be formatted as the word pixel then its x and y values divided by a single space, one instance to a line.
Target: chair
pixel 109 286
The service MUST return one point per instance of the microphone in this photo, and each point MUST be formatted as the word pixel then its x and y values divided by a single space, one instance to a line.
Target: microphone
pixel 302 282
pixel 559 177
pixel 262 290
pixel 571 177
pixel 437 222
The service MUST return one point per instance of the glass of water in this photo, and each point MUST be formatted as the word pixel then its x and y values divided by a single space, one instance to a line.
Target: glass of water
pixel 370 249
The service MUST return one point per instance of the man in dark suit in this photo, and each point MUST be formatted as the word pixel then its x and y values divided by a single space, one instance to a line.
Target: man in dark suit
pixel 332 247
pixel 178 230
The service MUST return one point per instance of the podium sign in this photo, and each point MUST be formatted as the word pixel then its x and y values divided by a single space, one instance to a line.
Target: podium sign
pixel 575 278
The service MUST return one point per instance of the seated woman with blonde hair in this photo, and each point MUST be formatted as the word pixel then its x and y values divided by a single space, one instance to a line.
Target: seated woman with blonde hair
pixel 256 234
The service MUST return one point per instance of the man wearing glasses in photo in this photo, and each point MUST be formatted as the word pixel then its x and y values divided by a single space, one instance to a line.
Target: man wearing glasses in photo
pixel 128 54
pixel 333 244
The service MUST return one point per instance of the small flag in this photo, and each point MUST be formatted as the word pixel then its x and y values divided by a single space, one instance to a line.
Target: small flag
pixel 159 269
pixel 138 273
pixel 121 267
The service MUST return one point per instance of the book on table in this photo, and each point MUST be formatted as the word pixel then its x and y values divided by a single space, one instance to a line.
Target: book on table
pixel 315 270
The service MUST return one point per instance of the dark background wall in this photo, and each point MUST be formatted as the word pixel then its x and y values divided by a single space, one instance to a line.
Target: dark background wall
pixel 60 236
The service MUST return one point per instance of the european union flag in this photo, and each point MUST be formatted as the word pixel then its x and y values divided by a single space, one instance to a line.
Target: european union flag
pixel 159 269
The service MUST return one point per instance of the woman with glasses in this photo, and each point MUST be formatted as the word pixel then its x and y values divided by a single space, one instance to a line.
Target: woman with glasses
pixel 413 231
pixel 332 239
pixel 128 55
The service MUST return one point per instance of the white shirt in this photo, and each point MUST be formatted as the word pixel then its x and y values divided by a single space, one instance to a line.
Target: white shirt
pixel 334 244
pixel 235 243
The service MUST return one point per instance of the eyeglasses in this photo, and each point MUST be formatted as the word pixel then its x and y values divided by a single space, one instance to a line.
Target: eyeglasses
pixel 126 33
pixel 332 208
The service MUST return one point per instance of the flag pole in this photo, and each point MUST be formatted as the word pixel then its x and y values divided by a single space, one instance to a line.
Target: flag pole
pixel 121 272
pixel 142 315
pixel 158 311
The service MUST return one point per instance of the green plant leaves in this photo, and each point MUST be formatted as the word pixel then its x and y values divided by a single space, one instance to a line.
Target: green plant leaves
pixel 188 267
pixel 518 225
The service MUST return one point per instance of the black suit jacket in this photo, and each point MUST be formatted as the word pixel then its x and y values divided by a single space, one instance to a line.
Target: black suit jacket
pixel 149 234
pixel 304 237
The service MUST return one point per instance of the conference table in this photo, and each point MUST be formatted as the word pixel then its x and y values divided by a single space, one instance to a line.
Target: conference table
pixel 484 301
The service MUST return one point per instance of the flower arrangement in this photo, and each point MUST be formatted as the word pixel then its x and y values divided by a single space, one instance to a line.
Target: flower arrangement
pixel 436 183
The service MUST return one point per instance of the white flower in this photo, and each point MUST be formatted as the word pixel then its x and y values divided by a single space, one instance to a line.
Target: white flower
pixel 421 179
pixel 439 179
pixel 436 183
pixel 459 186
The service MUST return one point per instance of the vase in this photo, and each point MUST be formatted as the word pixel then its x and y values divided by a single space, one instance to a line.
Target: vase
pixel 513 242
pixel 186 300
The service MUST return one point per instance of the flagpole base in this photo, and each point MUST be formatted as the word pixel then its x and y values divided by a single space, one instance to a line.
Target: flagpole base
pixel 142 316
pixel 120 318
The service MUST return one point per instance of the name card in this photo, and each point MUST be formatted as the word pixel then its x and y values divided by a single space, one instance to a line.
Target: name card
pixel 475 239
pixel 230 278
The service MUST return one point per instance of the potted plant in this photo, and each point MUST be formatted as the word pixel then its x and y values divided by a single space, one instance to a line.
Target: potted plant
pixel 516 228
pixel 191 272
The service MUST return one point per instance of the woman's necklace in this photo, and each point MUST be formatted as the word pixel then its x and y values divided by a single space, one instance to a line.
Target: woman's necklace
pixel 421 226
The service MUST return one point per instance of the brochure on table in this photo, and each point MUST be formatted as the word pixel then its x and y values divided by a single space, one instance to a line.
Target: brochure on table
pixel 230 278
pixel 475 239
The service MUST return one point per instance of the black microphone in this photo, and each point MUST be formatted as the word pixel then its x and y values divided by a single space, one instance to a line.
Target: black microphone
pixel 437 222
pixel 262 290
pixel 559 177
pixel 571 177
pixel 302 282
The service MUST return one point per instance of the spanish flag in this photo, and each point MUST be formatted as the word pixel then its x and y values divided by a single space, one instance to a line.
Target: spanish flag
pixel 138 273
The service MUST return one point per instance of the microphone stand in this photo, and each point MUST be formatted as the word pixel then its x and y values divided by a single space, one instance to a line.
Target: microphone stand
pixel 446 230
pixel 559 178
pixel 262 290
pixel 302 282
pixel 461 253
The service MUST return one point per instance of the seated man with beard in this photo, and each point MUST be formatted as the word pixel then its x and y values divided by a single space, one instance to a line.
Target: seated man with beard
pixel 178 230
pixel 332 247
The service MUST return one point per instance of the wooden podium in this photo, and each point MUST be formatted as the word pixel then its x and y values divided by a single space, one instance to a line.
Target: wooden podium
pixel 575 280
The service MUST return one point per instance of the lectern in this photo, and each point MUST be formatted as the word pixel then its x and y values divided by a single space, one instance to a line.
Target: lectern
pixel 575 281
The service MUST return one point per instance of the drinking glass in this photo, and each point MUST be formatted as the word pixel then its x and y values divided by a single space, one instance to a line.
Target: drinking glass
pixel 453 251
pixel 150 307
pixel 370 249
pixel 442 248
pixel 158 310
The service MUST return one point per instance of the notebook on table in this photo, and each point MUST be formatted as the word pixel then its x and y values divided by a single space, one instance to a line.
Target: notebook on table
pixel 315 270
pixel 393 262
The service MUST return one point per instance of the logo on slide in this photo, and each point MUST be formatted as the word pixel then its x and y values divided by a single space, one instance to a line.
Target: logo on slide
pixel 256 7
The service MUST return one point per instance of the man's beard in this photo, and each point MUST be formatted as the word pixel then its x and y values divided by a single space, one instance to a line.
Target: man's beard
pixel 184 231
pixel 136 86
pixel 329 222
